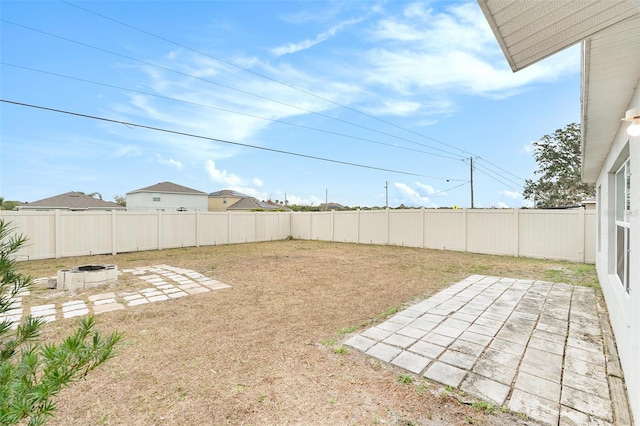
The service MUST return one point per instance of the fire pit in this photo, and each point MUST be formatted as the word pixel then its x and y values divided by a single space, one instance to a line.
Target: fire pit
pixel 86 276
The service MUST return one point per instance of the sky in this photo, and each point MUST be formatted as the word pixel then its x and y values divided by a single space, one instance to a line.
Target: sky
pixel 362 103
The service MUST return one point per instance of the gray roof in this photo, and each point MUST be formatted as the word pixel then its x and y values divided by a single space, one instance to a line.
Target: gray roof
pixel 72 201
pixel 250 203
pixel 169 187
pixel 228 193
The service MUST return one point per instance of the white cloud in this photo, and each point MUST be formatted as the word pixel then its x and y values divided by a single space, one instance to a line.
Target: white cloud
pixel 399 108
pixel 222 176
pixel 411 197
pixel 456 50
pixel 306 44
pixel 428 189
pixel 169 162
pixel 511 194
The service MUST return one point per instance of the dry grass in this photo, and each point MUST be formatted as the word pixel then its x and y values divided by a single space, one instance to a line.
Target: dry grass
pixel 267 350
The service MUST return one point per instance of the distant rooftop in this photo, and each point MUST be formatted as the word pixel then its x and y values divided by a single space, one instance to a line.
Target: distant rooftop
pixel 168 187
pixel 72 201
pixel 228 193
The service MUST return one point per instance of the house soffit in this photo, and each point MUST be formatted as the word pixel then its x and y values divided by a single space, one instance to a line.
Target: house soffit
pixel 531 30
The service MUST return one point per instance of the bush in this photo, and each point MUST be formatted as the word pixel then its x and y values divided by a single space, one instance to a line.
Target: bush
pixel 32 372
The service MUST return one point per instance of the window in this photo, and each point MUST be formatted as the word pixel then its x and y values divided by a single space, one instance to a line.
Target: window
pixel 622 219
pixel 156 197
pixel 224 200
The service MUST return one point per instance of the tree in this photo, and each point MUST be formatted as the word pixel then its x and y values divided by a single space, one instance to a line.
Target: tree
pixel 33 372
pixel 559 183
pixel 120 199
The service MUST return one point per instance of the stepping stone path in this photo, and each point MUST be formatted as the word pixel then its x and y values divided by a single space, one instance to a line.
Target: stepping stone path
pixel 165 283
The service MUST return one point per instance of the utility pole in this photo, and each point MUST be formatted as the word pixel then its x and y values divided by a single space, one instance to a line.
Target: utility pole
pixel 471 163
pixel 386 190
pixel 326 199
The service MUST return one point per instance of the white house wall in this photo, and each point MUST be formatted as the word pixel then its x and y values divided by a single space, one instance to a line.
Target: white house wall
pixel 623 307
pixel 143 201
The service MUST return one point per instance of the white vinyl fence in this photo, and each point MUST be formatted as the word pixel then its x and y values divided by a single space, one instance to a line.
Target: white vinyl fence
pixel 548 234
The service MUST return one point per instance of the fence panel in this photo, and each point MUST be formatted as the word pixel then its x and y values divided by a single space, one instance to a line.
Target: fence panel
pixel 374 227
pixel 136 231
pixel 346 226
pixel 444 229
pixel 242 227
pixel 39 228
pixel 214 228
pixel 268 227
pixel 85 233
pixel 405 228
pixel 553 234
pixel 178 229
pixel 301 226
pixel 492 232
pixel 321 226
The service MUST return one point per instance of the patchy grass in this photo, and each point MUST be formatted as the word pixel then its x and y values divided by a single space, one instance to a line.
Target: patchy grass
pixel 259 352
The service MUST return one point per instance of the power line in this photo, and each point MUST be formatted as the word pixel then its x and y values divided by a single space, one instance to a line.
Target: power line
pixel 271 100
pixel 231 64
pixel 245 92
pixel 223 109
pixel 191 135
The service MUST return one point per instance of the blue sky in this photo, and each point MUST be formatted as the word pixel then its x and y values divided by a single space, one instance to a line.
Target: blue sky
pixel 405 92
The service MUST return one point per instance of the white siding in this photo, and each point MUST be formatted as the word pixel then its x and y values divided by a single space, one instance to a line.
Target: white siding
pixel 144 202
pixel 623 307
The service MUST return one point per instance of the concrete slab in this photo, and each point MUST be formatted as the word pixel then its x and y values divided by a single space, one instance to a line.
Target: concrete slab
pixel 491 390
pixel 445 374
pixel 411 362
pixel 383 352
pixel 535 347
pixel 587 403
pixel 547 412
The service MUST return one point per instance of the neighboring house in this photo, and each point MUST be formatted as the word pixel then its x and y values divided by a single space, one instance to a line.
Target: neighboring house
pixel 220 201
pixel 226 199
pixel 530 30
pixel 72 201
pixel 166 196
pixel 331 206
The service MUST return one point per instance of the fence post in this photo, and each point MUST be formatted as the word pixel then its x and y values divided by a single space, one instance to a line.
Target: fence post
pixel 516 231
pixel 159 229
pixel 358 227
pixel 581 239
pixel 423 227
pixel 333 231
pixel 388 227
pixel 464 228
pixel 197 228
pixel 57 233
pixel 114 240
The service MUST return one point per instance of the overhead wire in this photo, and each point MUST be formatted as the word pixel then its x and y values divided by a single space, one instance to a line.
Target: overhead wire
pixel 141 92
pixel 267 98
pixel 231 64
pixel 245 92
pixel 224 141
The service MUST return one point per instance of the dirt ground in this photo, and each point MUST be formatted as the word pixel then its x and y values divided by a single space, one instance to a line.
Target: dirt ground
pixel 268 350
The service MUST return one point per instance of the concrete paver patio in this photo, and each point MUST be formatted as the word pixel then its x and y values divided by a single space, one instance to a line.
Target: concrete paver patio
pixel 535 347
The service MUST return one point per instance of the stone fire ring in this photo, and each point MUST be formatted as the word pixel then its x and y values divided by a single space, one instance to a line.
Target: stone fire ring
pixel 86 276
